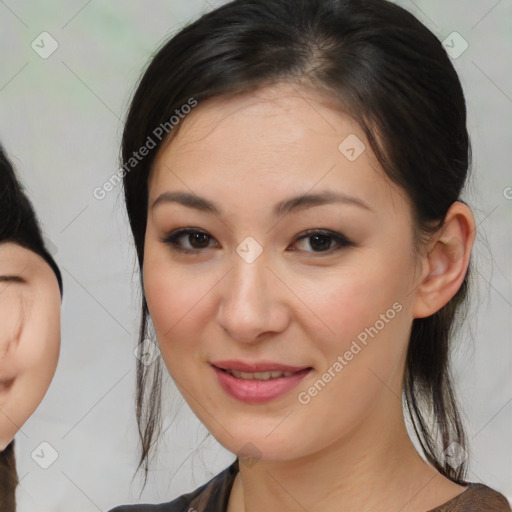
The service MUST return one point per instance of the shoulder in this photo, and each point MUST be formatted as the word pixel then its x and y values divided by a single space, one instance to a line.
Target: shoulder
pixel 476 498
pixel 210 497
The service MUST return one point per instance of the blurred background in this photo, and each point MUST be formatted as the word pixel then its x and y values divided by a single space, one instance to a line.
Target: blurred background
pixel 67 72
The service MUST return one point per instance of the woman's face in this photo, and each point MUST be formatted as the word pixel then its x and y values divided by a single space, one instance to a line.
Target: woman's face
pixel 255 289
pixel 29 335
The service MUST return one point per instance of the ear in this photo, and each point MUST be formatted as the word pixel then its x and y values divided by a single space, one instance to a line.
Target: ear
pixel 446 262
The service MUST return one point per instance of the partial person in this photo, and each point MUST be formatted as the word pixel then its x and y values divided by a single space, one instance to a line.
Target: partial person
pixel 30 305
pixel 293 177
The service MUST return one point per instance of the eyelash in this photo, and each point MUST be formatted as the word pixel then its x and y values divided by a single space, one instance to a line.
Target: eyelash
pixel 341 240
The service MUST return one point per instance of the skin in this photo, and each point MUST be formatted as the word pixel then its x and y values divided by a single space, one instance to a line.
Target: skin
pixel 347 449
pixel 30 304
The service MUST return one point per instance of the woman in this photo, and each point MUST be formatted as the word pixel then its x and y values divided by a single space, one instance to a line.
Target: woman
pixel 293 173
pixel 30 298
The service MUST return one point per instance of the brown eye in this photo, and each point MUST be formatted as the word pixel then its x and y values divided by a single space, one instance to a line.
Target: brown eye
pixel 320 241
pixel 196 239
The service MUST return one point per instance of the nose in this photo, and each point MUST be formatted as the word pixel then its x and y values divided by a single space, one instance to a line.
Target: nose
pixel 253 304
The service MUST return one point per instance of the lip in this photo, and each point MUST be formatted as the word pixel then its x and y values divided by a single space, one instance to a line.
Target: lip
pixel 256 366
pixel 259 391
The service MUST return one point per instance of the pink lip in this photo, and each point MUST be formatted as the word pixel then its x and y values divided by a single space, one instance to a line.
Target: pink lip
pixel 259 391
pixel 256 366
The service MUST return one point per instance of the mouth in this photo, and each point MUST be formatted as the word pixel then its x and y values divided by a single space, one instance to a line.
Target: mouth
pixel 258 370
pixel 269 375
pixel 266 381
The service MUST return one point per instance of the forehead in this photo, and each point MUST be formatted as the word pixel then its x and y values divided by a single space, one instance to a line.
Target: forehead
pixel 278 115
pixel 283 137
pixel 18 260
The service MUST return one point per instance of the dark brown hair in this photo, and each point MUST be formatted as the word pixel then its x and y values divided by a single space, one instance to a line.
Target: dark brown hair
pixel 393 76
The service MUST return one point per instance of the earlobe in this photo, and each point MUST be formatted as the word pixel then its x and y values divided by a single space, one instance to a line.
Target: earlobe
pixel 447 261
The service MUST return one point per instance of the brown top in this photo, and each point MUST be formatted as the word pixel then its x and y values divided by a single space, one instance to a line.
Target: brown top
pixel 214 496
pixel 8 479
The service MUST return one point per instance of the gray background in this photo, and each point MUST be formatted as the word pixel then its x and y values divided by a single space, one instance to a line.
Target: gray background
pixel 61 120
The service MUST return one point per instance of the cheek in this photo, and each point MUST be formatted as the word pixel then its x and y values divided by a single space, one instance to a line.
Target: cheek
pixel 362 360
pixel 176 301
pixel 349 300
pixel 38 353
pixel 39 348
pixel 36 359
pixel 11 314
pixel 367 310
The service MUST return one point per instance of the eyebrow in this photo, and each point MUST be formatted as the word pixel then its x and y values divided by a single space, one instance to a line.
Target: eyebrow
pixel 9 278
pixel 280 209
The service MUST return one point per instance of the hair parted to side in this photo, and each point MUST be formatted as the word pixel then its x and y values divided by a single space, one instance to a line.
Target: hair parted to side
pixel 392 75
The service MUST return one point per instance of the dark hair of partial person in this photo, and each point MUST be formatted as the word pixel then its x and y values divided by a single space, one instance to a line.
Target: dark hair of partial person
pixel 18 224
pixel 390 73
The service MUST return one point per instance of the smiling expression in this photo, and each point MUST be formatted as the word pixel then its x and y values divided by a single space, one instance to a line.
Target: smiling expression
pixel 29 335
pixel 323 269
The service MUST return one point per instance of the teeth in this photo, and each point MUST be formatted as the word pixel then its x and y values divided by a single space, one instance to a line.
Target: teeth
pixel 259 375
